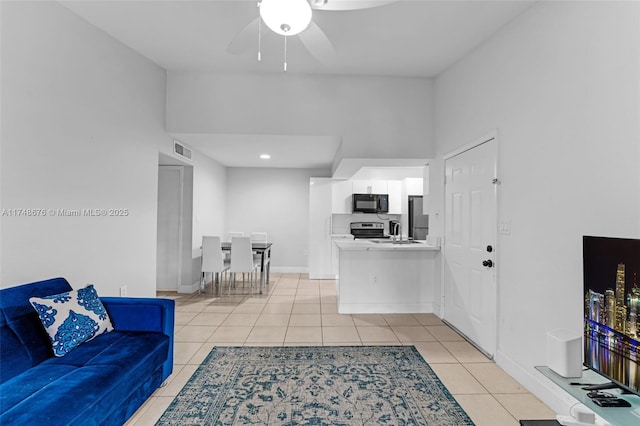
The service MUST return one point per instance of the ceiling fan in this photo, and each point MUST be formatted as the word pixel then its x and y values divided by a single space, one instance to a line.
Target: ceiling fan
pixel 294 17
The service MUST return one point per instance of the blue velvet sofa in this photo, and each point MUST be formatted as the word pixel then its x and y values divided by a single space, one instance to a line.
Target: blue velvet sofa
pixel 103 381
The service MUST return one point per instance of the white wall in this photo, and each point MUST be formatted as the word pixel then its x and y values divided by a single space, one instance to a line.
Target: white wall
pixel 275 201
pixel 82 120
pixel 209 206
pixel 376 117
pixel 209 198
pixel 561 85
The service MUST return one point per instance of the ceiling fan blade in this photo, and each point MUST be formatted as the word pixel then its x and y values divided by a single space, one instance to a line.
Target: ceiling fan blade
pixel 245 39
pixel 347 4
pixel 318 44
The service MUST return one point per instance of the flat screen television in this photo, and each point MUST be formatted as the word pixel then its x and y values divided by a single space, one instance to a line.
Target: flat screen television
pixel 611 267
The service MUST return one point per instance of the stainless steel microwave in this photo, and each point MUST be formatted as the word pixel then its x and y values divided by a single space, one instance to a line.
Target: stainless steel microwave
pixel 370 203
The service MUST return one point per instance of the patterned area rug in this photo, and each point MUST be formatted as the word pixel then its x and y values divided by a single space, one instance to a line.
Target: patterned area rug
pixel 348 385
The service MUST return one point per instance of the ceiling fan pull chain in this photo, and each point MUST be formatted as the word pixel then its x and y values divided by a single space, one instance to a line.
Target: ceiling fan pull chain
pixel 285 53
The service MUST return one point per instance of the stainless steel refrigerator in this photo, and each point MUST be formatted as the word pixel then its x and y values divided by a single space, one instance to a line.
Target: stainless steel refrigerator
pixel 418 222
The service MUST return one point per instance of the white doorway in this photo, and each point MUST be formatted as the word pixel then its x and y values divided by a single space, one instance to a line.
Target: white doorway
pixel 170 202
pixel 470 293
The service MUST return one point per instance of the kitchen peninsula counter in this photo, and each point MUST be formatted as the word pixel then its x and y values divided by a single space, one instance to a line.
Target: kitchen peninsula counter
pixel 385 244
pixel 383 277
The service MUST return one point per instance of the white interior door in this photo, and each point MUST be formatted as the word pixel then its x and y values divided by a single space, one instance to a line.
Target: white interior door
pixel 469 244
pixel 169 255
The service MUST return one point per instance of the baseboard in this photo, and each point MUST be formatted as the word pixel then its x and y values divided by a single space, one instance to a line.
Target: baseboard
pixel 544 389
pixel 289 269
pixel 322 277
pixel 438 310
pixel 189 288
pixel 368 308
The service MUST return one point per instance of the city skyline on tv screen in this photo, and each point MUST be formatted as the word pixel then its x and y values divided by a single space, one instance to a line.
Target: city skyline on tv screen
pixel 612 308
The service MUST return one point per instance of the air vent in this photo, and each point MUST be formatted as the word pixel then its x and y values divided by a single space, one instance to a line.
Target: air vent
pixel 180 149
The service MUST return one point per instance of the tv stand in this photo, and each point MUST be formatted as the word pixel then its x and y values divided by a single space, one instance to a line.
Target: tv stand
pixel 615 416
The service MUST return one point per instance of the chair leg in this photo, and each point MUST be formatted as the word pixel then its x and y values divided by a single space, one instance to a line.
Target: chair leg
pixel 253 280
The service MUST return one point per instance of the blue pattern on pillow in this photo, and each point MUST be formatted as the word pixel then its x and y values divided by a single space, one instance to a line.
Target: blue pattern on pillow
pixel 61 298
pixel 46 313
pixel 74 330
pixel 72 318
pixel 88 298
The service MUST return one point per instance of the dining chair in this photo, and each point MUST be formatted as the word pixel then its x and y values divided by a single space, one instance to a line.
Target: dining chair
pixel 258 237
pixel 231 235
pixel 242 260
pixel 213 260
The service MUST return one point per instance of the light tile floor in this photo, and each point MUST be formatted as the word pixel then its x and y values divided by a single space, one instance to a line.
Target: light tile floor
pixel 296 311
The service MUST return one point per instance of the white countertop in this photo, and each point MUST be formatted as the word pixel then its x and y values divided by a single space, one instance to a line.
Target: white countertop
pixel 366 245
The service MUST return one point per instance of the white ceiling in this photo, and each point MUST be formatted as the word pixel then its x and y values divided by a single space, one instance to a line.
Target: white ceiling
pixel 403 38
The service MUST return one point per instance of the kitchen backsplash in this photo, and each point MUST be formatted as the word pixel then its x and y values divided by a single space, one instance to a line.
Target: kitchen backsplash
pixel 340 222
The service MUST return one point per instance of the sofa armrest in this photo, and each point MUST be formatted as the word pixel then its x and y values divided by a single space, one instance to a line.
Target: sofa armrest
pixel 144 314
pixel 141 314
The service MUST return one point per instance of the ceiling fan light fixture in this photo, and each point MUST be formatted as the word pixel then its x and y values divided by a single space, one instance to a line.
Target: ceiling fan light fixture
pixel 286 17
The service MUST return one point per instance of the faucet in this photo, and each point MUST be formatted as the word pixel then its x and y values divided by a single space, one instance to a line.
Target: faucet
pixel 398 231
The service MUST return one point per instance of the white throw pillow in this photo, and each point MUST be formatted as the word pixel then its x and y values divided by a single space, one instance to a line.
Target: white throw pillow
pixel 72 318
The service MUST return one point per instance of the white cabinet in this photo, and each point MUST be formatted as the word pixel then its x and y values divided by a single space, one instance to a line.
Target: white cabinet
pixel 414 186
pixel 341 191
pixel 394 189
pixel 320 190
pixel 370 187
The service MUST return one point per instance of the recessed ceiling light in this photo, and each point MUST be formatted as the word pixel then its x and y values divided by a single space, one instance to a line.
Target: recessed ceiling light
pixel 265 156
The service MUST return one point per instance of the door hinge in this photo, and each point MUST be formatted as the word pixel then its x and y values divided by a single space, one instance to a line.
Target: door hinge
pixel 496 181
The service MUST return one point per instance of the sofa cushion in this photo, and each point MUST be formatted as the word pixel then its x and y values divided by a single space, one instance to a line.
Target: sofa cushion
pixel 30 382
pixel 24 341
pixel 72 317
pixel 121 348
pixel 88 383
pixel 75 398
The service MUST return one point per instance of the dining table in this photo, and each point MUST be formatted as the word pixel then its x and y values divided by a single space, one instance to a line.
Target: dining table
pixel 264 250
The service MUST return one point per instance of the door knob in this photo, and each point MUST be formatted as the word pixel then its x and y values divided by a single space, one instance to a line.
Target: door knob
pixel 489 249
pixel 488 263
